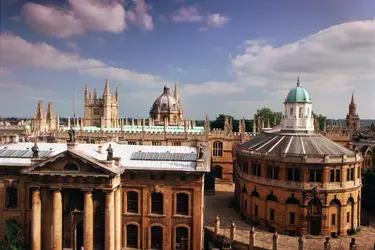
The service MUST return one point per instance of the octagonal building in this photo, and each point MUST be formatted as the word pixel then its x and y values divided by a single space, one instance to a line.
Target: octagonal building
pixel 293 180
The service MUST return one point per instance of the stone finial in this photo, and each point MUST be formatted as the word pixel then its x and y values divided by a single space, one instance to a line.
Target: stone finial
pixel 232 231
pixel 327 244
pixel 217 225
pixel 275 238
pixel 300 243
pixel 352 245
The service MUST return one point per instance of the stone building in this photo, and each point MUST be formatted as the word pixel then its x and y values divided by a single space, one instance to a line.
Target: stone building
pixel 73 195
pixel 296 181
pixel 167 108
pixel 101 111
pixel 42 121
pixel 352 118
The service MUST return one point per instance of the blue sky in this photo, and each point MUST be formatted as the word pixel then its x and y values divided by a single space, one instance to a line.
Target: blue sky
pixel 228 56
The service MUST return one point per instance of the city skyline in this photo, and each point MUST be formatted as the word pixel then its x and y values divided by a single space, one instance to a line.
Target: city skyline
pixel 231 59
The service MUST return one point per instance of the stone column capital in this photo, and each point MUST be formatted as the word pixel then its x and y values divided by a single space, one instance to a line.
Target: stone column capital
pixel 34 187
pixel 108 191
pixel 87 190
pixel 55 189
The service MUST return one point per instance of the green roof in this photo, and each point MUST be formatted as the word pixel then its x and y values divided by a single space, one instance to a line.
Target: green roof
pixel 298 94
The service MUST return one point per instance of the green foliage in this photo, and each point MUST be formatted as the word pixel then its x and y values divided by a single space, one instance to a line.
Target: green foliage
pixel 266 114
pixel 220 121
pixel 13 236
pixel 321 119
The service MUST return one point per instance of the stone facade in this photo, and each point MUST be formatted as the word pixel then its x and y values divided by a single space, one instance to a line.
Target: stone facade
pixel 102 111
pixel 69 201
pixel 352 118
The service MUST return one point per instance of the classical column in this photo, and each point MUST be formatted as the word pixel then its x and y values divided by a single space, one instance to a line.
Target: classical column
pixel 36 220
pixel 57 219
pixel 109 221
pixel 118 219
pixel 88 221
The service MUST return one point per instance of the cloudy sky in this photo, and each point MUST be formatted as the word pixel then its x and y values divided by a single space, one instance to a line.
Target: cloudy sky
pixel 229 56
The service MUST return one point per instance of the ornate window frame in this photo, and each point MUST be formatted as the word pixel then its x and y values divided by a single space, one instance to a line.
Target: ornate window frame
pixel 175 203
pixel 149 234
pixel 124 234
pixel 125 200
pixel 175 235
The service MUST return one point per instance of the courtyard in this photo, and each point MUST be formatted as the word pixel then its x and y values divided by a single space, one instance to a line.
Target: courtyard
pixel 218 205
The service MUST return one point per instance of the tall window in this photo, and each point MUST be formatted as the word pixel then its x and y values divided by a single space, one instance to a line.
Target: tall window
pixel 293 174
pixel 256 210
pixel 245 166
pixel 182 238
pixel 335 175
pixel 157 237
pixel 350 174
pixel 300 113
pixel 157 203
pixel 347 217
pixel 273 172
pixel 217 148
pixel 182 204
pixel 291 112
pixel 308 113
pixel 256 168
pixel 272 214
pixel 292 218
pixel 132 202
pixel 315 175
pixel 12 197
pixel 131 236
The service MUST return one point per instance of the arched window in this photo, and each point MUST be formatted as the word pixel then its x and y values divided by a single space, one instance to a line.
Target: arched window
pixel 182 204
pixel 71 167
pixel 292 200
pixel 255 193
pixel 182 238
pixel 12 197
pixel 156 237
pixel 271 197
pixel 132 202
pixel 217 148
pixel 291 112
pixel 157 203
pixel 300 113
pixel 132 236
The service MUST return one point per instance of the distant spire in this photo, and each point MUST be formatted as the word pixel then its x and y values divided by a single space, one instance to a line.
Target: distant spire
pixel 298 81
pixel 117 93
pixel 176 92
pixel 94 95
pixel 106 88
pixel 86 91
pixel 352 102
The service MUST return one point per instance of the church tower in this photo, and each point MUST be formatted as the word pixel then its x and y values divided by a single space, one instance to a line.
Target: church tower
pixel 352 118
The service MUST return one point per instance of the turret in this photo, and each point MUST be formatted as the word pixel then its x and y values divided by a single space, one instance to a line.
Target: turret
pixel 40 110
pixel 86 93
pixel 49 111
pixel 107 99
pixel 117 94
pixel 94 95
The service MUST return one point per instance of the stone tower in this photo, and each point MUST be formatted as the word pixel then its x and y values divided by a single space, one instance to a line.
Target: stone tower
pixel 352 118
pixel 44 121
pixel 101 111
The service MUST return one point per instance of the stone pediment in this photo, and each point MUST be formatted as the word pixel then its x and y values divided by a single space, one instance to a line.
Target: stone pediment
pixel 70 163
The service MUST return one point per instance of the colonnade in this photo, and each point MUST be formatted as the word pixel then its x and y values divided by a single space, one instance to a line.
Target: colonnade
pixel 112 220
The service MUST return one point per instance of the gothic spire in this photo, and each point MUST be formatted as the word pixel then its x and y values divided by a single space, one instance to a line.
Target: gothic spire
pixel 176 92
pixel 106 88
pixel 352 102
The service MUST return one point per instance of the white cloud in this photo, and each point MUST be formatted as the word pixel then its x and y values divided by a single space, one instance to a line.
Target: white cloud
pixel 211 88
pixel 76 19
pixel 193 14
pixel 140 16
pixel 180 70
pixel 217 20
pixel 17 51
pixel 188 14
pixel 330 63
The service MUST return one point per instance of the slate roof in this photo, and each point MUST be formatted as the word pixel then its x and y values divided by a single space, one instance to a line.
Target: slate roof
pixel 278 143
pixel 168 158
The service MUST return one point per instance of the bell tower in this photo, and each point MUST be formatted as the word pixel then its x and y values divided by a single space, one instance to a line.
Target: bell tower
pixel 352 118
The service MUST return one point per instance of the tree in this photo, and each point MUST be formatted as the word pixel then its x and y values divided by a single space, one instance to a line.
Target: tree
pixel 13 236
pixel 266 114
pixel 321 119
pixel 220 121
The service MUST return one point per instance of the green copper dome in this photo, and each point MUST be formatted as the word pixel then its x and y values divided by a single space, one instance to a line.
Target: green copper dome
pixel 298 94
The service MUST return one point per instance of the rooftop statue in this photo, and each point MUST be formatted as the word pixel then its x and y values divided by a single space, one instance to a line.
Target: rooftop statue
pixel 200 151
pixel 72 134
pixel 35 150
pixel 110 153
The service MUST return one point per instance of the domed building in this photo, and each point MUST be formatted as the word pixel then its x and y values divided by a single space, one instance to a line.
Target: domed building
pixel 167 108
pixel 296 181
